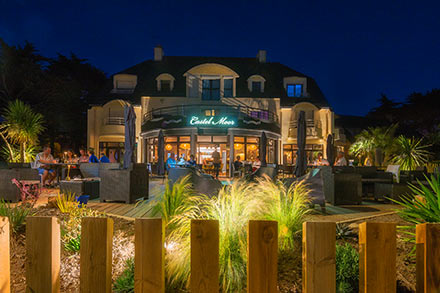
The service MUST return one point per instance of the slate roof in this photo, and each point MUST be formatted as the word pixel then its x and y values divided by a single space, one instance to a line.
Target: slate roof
pixel 273 72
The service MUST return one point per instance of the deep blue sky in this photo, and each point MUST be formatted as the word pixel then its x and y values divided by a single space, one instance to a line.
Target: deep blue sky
pixel 354 49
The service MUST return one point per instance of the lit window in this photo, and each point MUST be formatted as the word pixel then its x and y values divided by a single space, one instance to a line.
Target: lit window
pixel 165 85
pixel 209 112
pixel 294 90
pixel 211 89
pixel 256 86
pixel 227 91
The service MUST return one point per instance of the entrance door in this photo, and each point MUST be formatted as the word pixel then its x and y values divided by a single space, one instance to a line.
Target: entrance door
pixel 206 145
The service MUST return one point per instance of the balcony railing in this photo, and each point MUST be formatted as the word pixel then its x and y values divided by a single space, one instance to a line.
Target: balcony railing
pixel 114 121
pixel 233 110
pixel 312 129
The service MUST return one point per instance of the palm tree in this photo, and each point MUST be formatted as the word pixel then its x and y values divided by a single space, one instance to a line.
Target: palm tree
pixel 410 153
pixel 22 125
pixel 374 143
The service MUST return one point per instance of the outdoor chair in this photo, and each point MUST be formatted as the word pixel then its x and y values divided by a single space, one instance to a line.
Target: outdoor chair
pixel 270 172
pixel 29 190
pixel 315 183
pixel 202 183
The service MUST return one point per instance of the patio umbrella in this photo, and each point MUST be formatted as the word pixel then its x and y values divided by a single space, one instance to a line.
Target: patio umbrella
pixel 263 143
pixel 130 135
pixel 330 150
pixel 301 160
pixel 160 154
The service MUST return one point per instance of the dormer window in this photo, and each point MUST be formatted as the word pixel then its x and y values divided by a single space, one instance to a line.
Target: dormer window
pixel 165 82
pixel 256 86
pixel 165 85
pixel 124 83
pixel 256 83
pixel 294 90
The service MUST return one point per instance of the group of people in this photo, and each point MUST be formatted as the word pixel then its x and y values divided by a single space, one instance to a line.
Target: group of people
pixel 44 162
pixel 340 160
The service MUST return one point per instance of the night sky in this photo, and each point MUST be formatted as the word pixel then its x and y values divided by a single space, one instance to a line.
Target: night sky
pixel 355 50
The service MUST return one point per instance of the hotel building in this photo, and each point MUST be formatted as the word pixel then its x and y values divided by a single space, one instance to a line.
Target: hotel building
pixel 206 103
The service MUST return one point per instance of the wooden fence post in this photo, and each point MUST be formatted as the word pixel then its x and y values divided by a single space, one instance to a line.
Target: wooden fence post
pixel 96 255
pixel 149 274
pixel 428 258
pixel 262 250
pixel 377 257
pixel 319 257
pixel 5 272
pixel 204 256
pixel 42 254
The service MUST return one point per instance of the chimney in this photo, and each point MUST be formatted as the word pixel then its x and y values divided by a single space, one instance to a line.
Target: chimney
pixel 158 53
pixel 261 56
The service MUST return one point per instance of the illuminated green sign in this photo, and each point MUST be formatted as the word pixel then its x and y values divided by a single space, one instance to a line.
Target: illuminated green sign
pixel 212 121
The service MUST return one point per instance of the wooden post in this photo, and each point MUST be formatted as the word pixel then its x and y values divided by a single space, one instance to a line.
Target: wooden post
pixel 96 255
pixel 149 274
pixel 319 257
pixel 377 257
pixel 42 254
pixel 204 256
pixel 262 263
pixel 5 269
pixel 428 258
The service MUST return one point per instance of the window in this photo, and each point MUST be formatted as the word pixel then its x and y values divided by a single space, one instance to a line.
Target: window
pixel 294 90
pixel 211 89
pixel 260 115
pixel 209 112
pixel 256 86
pixel 227 91
pixel 165 85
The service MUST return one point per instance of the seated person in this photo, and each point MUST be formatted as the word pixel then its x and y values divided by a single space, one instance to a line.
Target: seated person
pixel 170 162
pixel 238 164
pixel 41 160
pixel 71 158
pixel 256 164
pixel 320 161
pixel 84 158
pixel 340 159
pixel 192 161
pixel 104 158
pixel 92 157
pixel 182 161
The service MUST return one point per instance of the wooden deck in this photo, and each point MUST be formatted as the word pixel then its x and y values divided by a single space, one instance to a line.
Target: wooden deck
pixel 122 210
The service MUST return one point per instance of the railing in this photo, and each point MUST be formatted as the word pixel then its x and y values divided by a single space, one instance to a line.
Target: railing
pixel 236 110
pixel 377 259
pixel 114 121
pixel 311 129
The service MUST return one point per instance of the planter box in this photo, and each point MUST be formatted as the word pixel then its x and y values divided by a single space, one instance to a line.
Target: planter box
pixel 125 185
pixel 88 187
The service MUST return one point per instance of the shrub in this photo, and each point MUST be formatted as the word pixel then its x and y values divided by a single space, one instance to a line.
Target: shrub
pixel 66 202
pixel 233 207
pixel 125 282
pixel 410 153
pixel 17 214
pixel 423 205
pixel 286 205
pixel 347 269
pixel 71 226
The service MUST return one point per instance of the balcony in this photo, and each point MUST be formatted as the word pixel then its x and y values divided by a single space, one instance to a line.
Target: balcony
pixel 114 121
pixel 313 130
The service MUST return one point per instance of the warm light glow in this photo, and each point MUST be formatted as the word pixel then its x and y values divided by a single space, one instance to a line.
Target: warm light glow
pixel 252 147
pixel 185 146
pixel 168 147
pixel 238 146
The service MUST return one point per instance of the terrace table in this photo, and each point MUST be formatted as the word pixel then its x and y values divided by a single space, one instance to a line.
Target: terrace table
pixel 59 168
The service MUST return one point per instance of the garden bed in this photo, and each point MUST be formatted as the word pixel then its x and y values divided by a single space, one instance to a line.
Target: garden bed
pixel 289 264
